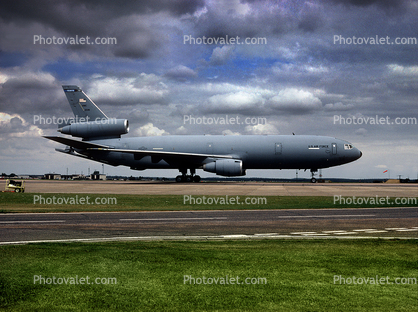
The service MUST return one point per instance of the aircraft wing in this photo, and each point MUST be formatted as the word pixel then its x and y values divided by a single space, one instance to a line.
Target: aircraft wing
pixel 139 153
pixel 162 154
pixel 75 143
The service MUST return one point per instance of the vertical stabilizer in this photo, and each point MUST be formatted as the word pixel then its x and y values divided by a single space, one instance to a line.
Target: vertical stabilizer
pixel 82 105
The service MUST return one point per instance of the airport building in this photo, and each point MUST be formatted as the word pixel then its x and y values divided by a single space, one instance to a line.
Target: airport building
pixel 52 176
pixel 98 176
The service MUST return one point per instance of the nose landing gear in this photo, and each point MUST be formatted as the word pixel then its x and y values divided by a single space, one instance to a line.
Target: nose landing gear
pixel 313 171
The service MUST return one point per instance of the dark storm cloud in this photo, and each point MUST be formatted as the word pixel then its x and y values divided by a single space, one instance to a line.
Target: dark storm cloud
pixel 180 73
pixel 319 23
pixel 110 19
pixel 310 23
pixel 33 94
pixel 386 4
pixel 87 17
pixel 299 79
pixel 222 22
pixel 135 116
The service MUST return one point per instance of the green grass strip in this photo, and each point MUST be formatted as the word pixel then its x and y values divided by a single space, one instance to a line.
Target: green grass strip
pixel 150 276
pixel 62 202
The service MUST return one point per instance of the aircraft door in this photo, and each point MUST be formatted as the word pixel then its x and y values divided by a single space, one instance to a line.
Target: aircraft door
pixel 334 148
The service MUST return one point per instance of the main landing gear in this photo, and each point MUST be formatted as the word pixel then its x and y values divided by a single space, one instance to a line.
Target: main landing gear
pixel 313 171
pixel 184 177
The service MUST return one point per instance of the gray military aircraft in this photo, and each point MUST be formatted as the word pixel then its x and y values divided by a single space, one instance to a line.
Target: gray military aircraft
pixel 220 154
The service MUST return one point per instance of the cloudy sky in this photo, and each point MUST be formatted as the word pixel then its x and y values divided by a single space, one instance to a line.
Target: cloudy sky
pixel 315 65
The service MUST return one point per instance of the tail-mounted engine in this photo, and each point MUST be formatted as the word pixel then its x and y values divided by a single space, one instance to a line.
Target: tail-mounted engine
pixel 109 128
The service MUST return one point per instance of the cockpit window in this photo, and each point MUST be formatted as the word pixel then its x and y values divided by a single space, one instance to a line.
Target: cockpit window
pixel 348 146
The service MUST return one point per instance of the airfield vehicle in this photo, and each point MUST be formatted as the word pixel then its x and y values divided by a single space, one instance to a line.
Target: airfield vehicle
pixel 15 186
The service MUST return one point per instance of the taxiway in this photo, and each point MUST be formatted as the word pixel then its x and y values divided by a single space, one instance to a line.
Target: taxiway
pixel 372 222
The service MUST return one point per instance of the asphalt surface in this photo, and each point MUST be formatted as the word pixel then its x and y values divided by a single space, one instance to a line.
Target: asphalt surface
pixel 221 188
pixel 381 222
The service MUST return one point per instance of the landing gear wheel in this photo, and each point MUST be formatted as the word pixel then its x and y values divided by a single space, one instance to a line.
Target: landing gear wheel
pixel 313 179
pixel 184 177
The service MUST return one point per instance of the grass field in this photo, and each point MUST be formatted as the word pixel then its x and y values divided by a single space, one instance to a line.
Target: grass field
pixel 150 276
pixel 25 202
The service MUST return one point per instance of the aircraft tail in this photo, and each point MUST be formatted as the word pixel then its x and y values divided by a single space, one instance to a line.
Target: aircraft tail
pixel 90 122
pixel 82 105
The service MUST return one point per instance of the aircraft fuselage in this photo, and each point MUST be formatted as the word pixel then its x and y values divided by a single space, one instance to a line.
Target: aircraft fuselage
pixel 255 151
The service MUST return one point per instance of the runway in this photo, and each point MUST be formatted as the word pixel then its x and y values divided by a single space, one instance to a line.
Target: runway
pixel 232 224
pixel 235 224
pixel 221 188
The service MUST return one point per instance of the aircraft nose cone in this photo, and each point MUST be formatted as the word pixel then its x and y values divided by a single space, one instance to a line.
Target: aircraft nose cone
pixel 359 154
